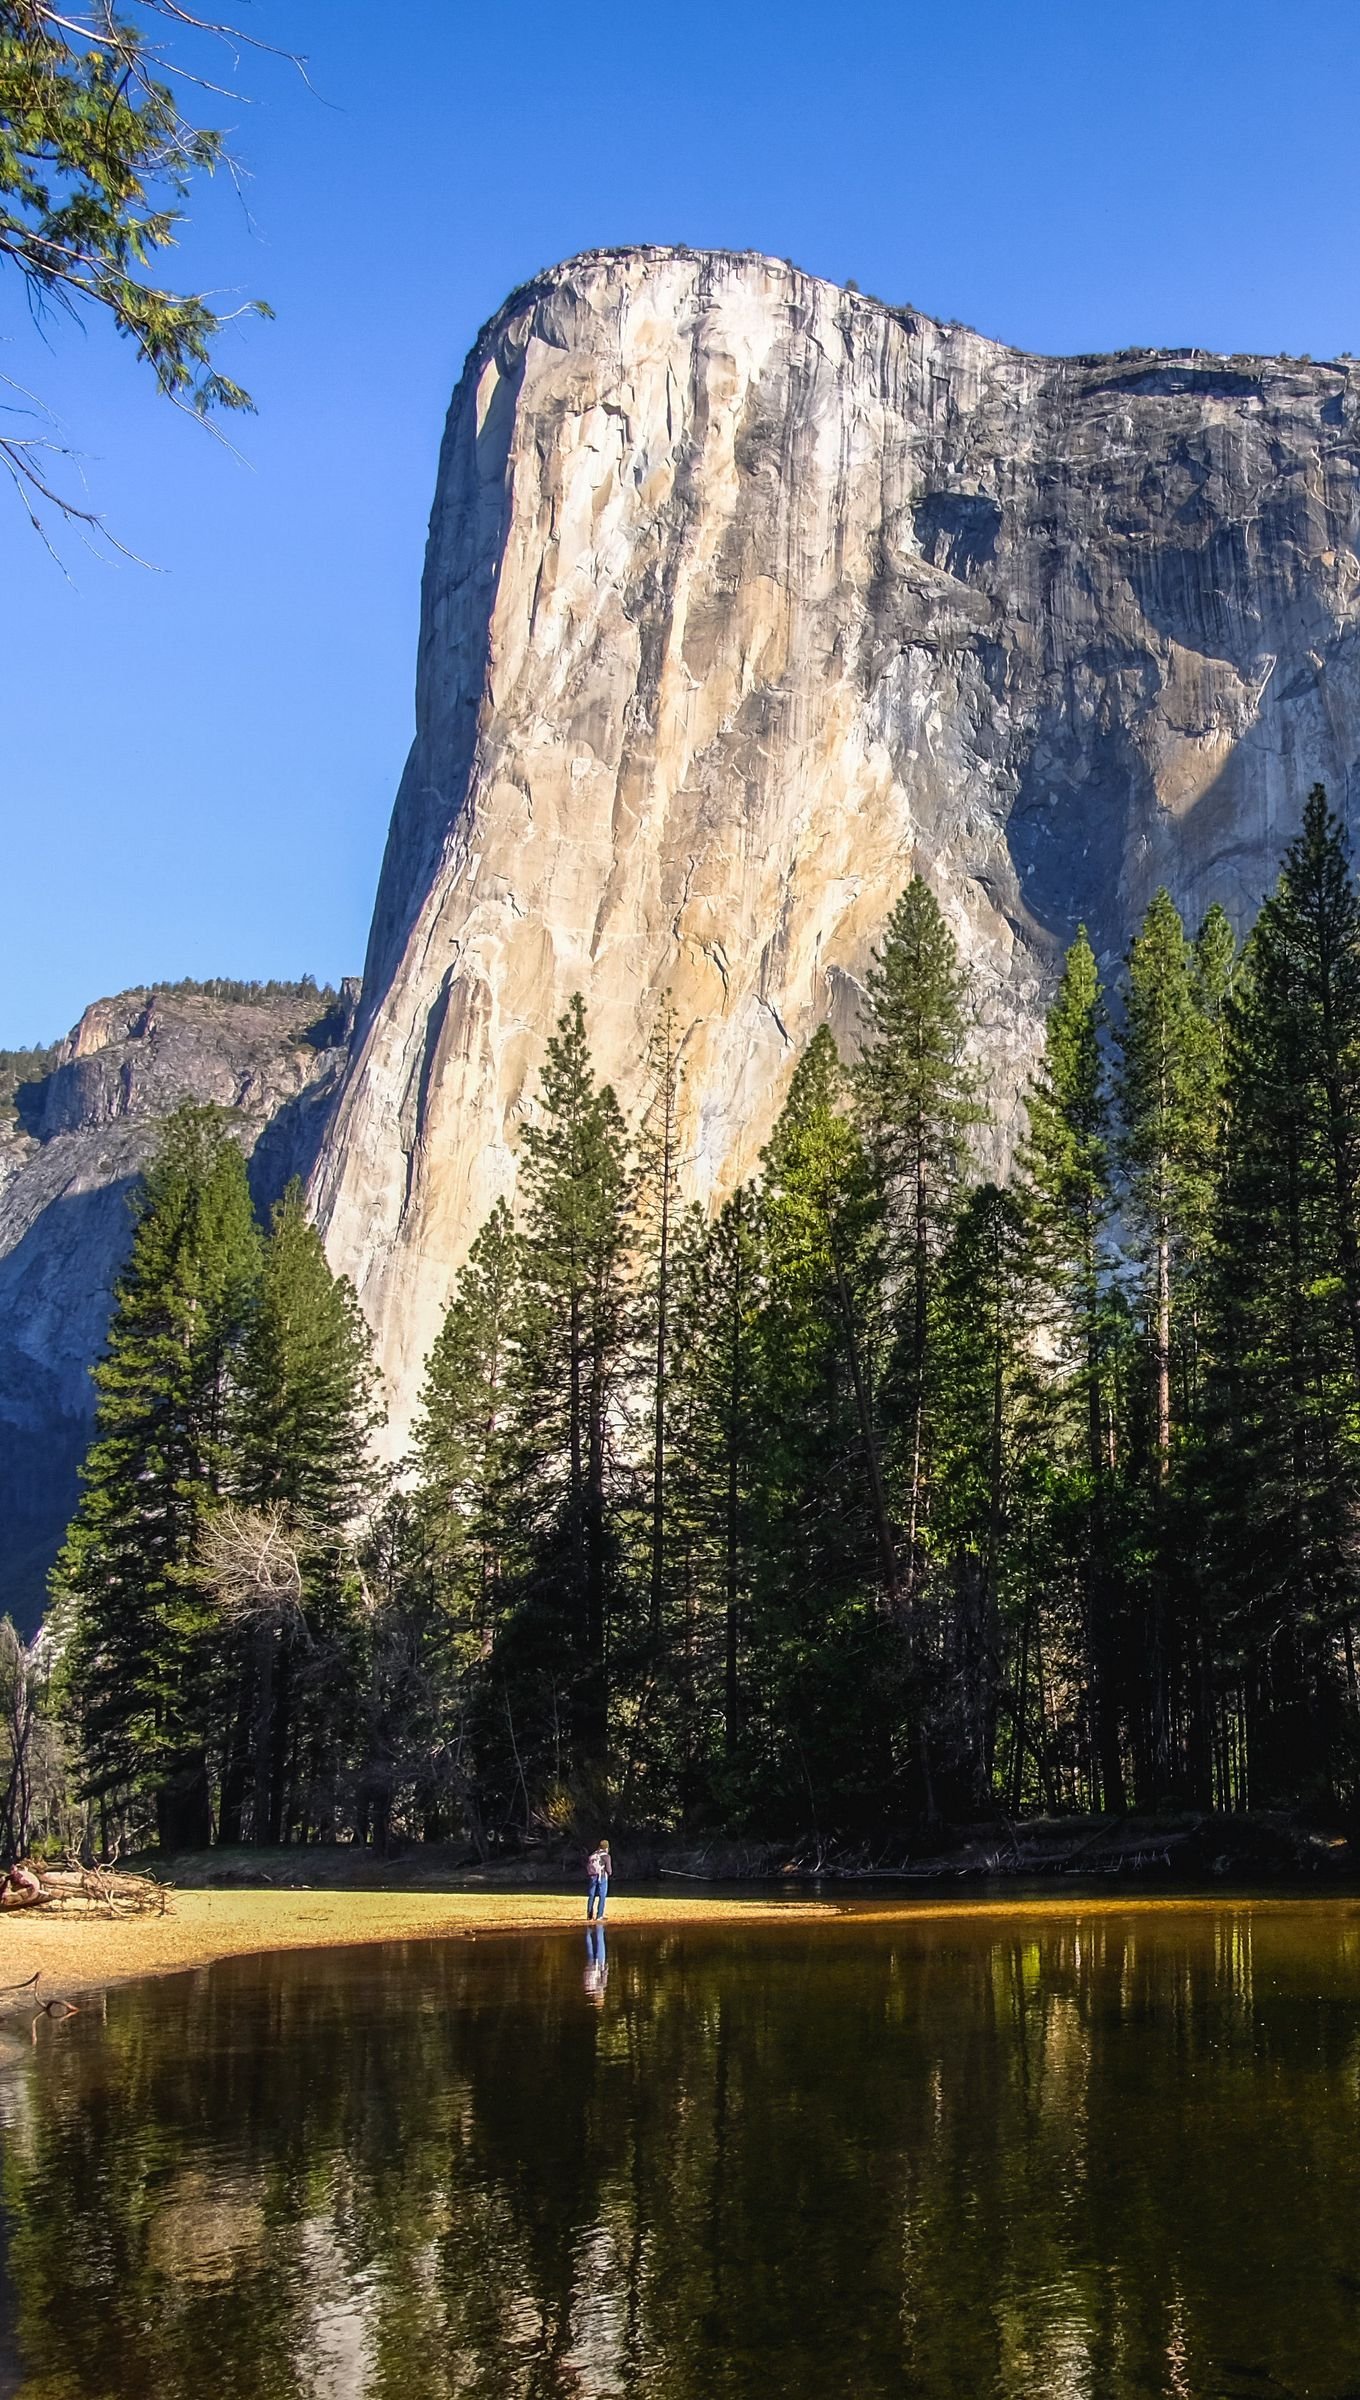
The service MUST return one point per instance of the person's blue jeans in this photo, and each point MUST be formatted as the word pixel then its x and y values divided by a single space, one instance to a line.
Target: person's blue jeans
pixel 599 1892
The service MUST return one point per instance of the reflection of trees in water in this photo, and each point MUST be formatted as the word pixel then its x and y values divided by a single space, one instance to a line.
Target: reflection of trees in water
pixel 1107 2157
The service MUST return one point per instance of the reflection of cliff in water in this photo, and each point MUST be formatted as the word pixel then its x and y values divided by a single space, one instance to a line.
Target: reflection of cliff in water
pixel 1027 2155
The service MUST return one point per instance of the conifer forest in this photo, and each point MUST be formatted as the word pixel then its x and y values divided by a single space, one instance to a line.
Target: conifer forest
pixel 886 1496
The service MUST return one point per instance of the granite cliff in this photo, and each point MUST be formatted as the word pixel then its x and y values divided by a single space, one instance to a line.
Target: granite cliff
pixel 72 1144
pixel 745 596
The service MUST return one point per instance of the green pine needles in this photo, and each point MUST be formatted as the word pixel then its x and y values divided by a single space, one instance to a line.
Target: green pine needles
pixel 882 1495
pixel 207 1589
pixel 97 156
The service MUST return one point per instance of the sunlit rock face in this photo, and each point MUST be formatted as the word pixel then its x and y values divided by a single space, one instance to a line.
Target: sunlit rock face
pixel 747 596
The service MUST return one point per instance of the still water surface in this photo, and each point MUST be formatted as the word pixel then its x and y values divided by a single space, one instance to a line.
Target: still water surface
pixel 1010 2156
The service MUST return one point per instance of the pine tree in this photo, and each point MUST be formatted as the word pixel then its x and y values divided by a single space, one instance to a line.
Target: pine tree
pixel 1164 1091
pixel 1165 1088
pixel 718 1419
pixel 303 1427
pixel 1281 1447
pixel 418 1686
pixel 459 1441
pixel 306 1402
pixel 572 1363
pixel 658 1194
pixel 984 1426
pixel 1066 1173
pixel 137 1669
pixel 918 1101
pixel 826 1619
pixel 825 1252
pixel 1310 943
pixel 440 1561
pixel 1065 1162
pixel 1214 972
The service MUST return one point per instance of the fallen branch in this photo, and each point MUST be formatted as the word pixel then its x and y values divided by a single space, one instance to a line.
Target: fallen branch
pixel 106 1891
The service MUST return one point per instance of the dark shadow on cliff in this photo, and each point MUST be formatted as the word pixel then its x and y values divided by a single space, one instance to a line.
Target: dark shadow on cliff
pixel 1080 793
pixel 46 1402
pixel 1086 795
pixel 1227 845
pixel 291 1141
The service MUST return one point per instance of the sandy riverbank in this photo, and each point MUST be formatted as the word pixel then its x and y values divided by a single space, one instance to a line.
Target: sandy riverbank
pixel 75 1957
pixel 79 1955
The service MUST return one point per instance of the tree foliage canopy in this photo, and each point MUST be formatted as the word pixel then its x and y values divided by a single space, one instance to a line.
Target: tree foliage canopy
pixel 99 151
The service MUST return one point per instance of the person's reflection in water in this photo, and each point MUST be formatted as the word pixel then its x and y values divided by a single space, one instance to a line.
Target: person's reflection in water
pixel 597 1963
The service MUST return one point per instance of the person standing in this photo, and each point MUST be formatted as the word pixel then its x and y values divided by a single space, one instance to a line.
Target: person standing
pixel 598 1869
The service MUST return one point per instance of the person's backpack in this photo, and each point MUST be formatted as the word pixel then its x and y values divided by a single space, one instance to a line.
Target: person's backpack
pixel 597 1865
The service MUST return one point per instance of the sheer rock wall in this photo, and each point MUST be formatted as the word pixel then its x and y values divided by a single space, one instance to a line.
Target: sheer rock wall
pixel 746 596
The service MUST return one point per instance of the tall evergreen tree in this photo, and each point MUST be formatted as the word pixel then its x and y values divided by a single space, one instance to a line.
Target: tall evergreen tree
pixel 446 1558
pixel 572 1360
pixel 137 1668
pixel 304 1422
pixel 984 1415
pixel 826 1622
pixel 1282 1444
pixel 1166 1105
pixel 658 1193
pixel 918 1100
pixel 1309 944
pixel 1214 973
pixel 1066 1169
pixel 460 1437
pixel 824 1230
pixel 1167 1101
pixel 718 1418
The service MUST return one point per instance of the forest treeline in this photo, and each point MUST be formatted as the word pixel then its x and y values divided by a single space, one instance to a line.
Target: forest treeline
pixel 884 1496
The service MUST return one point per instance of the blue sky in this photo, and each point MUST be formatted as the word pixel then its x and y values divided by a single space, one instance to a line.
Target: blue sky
pixel 198 762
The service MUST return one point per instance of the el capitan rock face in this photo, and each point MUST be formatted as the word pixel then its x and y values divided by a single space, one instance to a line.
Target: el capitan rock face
pixel 745 597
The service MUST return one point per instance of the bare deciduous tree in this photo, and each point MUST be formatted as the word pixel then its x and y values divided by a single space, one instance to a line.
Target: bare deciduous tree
pixel 250 1560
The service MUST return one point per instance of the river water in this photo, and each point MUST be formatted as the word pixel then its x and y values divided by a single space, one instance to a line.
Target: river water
pixel 1038 2151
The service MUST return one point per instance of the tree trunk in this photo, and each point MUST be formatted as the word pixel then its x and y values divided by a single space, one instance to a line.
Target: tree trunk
pixel 597 1696
pixel 278 1741
pixel 732 1536
pixel 231 1811
pixel 1343 1179
pixel 1162 1352
pixel 267 1639
pixel 183 1805
pixel 1104 1674
pixel 920 1319
pixel 657 1577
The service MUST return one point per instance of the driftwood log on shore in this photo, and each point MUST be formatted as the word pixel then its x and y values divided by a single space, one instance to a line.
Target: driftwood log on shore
pixel 81 1889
